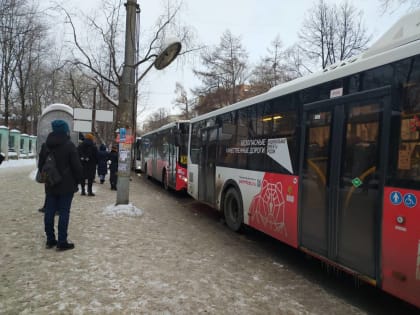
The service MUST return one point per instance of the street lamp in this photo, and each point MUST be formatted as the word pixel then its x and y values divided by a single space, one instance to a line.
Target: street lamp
pixel 168 54
pixel 126 98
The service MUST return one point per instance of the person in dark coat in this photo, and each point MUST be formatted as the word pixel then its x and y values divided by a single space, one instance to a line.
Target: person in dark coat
pixel 88 154
pixel 1 157
pixel 113 167
pixel 59 197
pixel 102 162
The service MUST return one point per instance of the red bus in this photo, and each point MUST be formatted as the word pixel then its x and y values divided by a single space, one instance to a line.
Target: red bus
pixel 328 163
pixel 164 155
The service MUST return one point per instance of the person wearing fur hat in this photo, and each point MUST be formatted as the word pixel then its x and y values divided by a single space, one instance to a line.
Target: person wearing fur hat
pixel 59 197
pixel 88 154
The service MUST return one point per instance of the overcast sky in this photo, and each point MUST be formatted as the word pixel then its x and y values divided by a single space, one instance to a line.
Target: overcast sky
pixel 257 22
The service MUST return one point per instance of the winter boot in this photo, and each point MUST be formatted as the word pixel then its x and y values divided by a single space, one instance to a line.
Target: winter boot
pixel 90 192
pixel 64 246
pixel 50 244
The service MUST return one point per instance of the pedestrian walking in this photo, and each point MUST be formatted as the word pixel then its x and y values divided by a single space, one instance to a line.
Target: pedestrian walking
pixel 88 154
pixel 2 157
pixel 113 167
pixel 59 197
pixel 102 163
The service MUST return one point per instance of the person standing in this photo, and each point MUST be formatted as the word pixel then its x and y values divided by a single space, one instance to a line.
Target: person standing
pixel 59 197
pixel 102 162
pixel 88 154
pixel 113 167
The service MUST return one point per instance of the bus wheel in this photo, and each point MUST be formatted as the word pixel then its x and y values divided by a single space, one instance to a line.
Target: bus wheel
pixel 165 180
pixel 233 211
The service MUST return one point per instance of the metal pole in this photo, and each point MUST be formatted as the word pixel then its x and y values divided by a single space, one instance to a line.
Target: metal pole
pixel 94 112
pixel 125 106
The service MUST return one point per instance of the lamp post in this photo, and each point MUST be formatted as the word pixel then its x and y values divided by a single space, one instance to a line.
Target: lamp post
pixel 126 98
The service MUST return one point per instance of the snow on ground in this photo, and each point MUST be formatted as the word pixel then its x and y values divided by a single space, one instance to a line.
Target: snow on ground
pixel 18 163
pixel 129 210
pixel 176 258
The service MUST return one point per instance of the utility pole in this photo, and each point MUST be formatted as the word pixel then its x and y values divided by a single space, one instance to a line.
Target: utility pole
pixel 125 106
pixel 126 97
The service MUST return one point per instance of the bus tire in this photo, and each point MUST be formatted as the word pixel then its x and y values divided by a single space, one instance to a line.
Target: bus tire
pixel 233 210
pixel 165 180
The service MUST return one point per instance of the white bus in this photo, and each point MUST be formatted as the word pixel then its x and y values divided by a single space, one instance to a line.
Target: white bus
pixel 328 163
pixel 164 154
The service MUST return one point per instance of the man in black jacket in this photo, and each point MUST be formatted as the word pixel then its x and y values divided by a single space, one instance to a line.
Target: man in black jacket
pixel 88 154
pixel 59 197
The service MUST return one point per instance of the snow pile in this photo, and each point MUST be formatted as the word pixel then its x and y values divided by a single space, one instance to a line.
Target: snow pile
pixel 18 163
pixel 32 174
pixel 117 210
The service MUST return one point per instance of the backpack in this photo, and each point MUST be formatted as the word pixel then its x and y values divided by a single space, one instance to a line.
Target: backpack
pixel 84 155
pixel 49 173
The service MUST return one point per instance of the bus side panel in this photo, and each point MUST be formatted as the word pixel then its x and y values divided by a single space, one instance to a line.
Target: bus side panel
pixel 401 244
pixel 149 167
pixel 193 180
pixel 273 209
pixel 269 201
pixel 181 177
pixel 160 165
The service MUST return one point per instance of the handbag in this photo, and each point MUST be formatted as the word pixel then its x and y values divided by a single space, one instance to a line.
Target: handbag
pixel 39 178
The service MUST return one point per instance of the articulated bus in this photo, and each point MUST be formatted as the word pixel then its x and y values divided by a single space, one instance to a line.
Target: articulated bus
pixel 328 163
pixel 164 155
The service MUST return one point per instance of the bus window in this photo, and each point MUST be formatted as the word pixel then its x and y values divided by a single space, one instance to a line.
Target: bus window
pixel 408 164
pixel 195 144
pixel 227 129
pixel 183 144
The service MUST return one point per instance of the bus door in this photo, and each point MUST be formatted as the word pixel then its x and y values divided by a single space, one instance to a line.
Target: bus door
pixel 172 154
pixel 207 165
pixel 342 178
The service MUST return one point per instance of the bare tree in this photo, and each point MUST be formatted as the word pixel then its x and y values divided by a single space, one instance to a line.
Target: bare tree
pixel 272 69
pixel 225 69
pixel 11 21
pixel 156 120
pixel 22 44
pixel 182 100
pixel 391 4
pixel 104 65
pixel 333 33
pixel 296 61
pixel 29 43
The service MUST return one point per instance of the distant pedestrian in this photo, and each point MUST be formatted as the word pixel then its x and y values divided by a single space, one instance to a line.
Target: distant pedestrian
pixel 1 158
pixel 88 154
pixel 113 167
pixel 102 162
pixel 59 197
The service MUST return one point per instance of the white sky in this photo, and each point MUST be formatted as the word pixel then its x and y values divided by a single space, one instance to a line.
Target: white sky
pixel 257 22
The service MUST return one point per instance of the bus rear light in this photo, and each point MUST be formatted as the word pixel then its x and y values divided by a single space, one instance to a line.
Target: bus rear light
pixel 183 178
